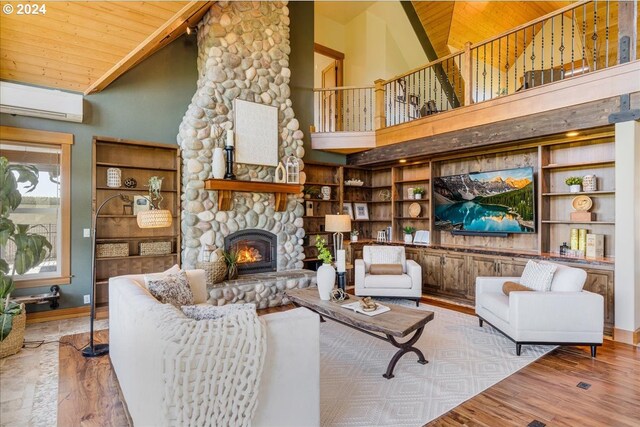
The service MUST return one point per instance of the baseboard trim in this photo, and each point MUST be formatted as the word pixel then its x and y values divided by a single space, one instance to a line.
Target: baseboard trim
pixel 58 314
pixel 627 337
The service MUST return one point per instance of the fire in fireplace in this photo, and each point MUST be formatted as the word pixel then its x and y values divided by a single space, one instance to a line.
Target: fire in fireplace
pixel 256 250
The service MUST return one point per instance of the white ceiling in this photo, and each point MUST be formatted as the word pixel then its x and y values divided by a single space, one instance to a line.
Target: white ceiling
pixel 341 11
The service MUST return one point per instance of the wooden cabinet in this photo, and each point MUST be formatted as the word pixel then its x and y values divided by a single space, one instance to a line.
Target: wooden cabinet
pixel 454 275
pixel 601 282
pixel 116 223
pixel 510 267
pixel 431 272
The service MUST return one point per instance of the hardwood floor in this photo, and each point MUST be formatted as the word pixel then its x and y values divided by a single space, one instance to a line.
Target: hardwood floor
pixel 546 390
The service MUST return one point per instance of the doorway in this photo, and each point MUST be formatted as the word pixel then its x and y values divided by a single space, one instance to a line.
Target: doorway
pixel 328 73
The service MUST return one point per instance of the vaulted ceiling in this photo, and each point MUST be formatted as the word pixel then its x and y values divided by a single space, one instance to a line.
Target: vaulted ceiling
pixel 83 46
pixel 450 24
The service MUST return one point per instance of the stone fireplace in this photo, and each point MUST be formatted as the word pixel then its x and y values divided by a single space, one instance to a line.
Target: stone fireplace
pixel 256 250
pixel 243 53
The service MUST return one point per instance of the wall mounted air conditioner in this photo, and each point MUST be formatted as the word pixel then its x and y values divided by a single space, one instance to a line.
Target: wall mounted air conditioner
pixel 39 102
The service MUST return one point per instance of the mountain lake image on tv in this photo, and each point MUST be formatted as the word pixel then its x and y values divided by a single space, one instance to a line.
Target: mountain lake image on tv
pixel 499 201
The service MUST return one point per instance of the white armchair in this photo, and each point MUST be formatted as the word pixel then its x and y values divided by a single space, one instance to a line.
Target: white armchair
pixel 406 285
pixel 566 315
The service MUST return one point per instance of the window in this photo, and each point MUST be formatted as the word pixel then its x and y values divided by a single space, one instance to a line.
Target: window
pixel 47 208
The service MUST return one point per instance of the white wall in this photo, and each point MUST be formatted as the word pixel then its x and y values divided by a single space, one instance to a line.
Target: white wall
pixel 627 218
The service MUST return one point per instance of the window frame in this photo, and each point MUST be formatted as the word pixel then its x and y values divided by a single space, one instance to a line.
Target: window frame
pixel 64 141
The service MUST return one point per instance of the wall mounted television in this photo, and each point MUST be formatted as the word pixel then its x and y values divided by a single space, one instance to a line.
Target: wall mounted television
pixel 497 202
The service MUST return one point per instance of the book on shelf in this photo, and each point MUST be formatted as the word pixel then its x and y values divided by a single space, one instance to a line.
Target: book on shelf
pixel 355 306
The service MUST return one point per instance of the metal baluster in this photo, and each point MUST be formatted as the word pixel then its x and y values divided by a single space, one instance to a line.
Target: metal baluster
pixel 606 37
pixel 491 90
pixel 524 58
pixel 477 70
pixel 542 53
pixel 515 62
pixel 423 92
pixel 595 35
pixel 499 67
pixel 533 55
pixel 506 66
pixel 562 45
pixel 552 51
pixel 484 72
pixel 584 35
pixel 429 84
pixel 573 40
pixel 346 98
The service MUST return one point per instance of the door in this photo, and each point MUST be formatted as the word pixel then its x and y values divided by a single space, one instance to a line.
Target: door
pixel 601 282
pixel 330 115
pixel 511 268
pixel 453 275
pixel 431 273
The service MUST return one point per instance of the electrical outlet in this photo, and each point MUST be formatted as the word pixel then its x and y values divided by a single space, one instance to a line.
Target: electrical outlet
pixel 87 299
pixel 86 232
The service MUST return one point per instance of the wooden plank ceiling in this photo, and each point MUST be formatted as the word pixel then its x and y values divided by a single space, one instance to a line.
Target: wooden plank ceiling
pixel 450 24
pixel 83 46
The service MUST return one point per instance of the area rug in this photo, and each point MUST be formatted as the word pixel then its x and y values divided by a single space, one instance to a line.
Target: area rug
pixel 464 359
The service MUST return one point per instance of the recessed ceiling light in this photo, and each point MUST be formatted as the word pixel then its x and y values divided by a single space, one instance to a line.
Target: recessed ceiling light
pixel 403 160
pixel 573 133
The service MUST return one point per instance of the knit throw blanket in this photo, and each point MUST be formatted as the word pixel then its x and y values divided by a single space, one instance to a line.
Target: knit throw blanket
pixel 212 368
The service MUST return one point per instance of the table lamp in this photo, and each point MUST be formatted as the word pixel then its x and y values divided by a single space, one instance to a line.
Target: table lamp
pixel 337 224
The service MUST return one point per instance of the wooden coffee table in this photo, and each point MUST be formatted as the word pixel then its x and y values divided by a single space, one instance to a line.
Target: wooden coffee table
pixel 399 322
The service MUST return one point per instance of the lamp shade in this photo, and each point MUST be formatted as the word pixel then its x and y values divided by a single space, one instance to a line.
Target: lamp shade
pixel 154 218
pixel 337 223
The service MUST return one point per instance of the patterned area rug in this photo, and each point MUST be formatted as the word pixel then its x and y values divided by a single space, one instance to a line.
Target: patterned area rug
pixel 464 359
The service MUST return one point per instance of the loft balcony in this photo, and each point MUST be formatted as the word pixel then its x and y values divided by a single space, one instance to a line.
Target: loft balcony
pixel 563 71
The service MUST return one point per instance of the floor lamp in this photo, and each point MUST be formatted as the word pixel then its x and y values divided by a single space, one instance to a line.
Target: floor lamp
pixel 153 218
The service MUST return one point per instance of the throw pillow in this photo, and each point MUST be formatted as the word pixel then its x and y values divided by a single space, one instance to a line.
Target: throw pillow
pixel 212 312
pixel 509 287
pixel 156 276
pixel 390 269
pixel 172 289
pixel 538 276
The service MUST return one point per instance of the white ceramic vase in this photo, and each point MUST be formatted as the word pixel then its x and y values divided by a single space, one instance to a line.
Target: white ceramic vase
pixel 574 188
pixel 408 238
pixel 217 164
pixel 417 196
pixel 326 277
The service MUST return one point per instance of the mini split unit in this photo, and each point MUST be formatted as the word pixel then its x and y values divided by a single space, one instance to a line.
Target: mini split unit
pixel 39 102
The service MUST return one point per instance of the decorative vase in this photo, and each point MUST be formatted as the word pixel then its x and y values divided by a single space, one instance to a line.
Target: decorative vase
pixel 408 238
pixel 326 277
pixel 217 164
pixel 589 183
pixel 114 177
pixel 574 188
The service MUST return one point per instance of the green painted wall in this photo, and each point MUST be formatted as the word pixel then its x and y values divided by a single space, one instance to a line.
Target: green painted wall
pixel 147 103
pixel 301 64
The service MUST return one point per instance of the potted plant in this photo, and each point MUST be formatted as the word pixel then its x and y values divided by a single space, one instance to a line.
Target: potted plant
pixel 354 235
pixel 310 192
pixel 326 275
pixel 418 192
pixel 231 258
pixel 408 234
pixel 31 250
pixel 574 183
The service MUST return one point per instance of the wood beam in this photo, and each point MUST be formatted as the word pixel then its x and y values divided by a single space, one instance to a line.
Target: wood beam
pixel 583 116
pixel 189 15
pixel 423 38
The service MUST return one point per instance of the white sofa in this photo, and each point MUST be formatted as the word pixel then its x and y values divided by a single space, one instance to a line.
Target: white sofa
pixel 407 285
pixel 289 393
pixel 566 315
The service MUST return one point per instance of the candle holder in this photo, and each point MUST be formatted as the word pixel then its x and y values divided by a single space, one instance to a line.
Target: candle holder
pixel 229 174
pixel 342 282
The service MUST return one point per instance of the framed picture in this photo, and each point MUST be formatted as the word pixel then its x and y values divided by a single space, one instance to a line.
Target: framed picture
pixel 140 203
pixel 362 210
pixel 256 133
pixel 347 209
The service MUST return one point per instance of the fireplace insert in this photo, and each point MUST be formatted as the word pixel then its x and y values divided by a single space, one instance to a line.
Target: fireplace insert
pixel 256 250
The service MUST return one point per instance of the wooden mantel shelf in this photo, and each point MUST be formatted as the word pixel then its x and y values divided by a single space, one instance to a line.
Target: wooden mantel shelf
pixel 225 188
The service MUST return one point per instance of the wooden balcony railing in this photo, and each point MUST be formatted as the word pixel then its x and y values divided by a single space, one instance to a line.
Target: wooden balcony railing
pixel 580 38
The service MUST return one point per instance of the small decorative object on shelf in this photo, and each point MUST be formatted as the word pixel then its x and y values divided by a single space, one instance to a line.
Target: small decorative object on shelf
pixel 361 211
pixel 293 170
pixel 354 182
pixel 384 195
pixel 418 192
pixel 229 148
pixel 308 208
pixel 326 275
pixel 347 209
pixel 281 174
pixel 408 234
pixel 354 235
pixel 140 203
pixel 155 248
pixel 155 216
pixel 589 183
pixel 114 177
pixel 382 236
pixel 311 192
pixel 564 248
pixel 582 204
pixel 410 193
pixel 595 246
pixel 325 190
pixel 218 163
pixel 130 182
pixel 110 250
pixel 574 183
pixel 414 210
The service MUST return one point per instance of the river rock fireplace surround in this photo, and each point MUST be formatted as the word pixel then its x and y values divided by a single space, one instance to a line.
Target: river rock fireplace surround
pixel 256 250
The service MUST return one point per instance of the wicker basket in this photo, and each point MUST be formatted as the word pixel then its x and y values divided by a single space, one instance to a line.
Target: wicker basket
pixel 155 248
pixel 108 250
pixel 216 271
pixel 13 342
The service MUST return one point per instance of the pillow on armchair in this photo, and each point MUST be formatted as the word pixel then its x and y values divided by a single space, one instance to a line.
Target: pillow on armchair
pixel 538 276
pixel 383 255
pixel 172 289
pixel 196 279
